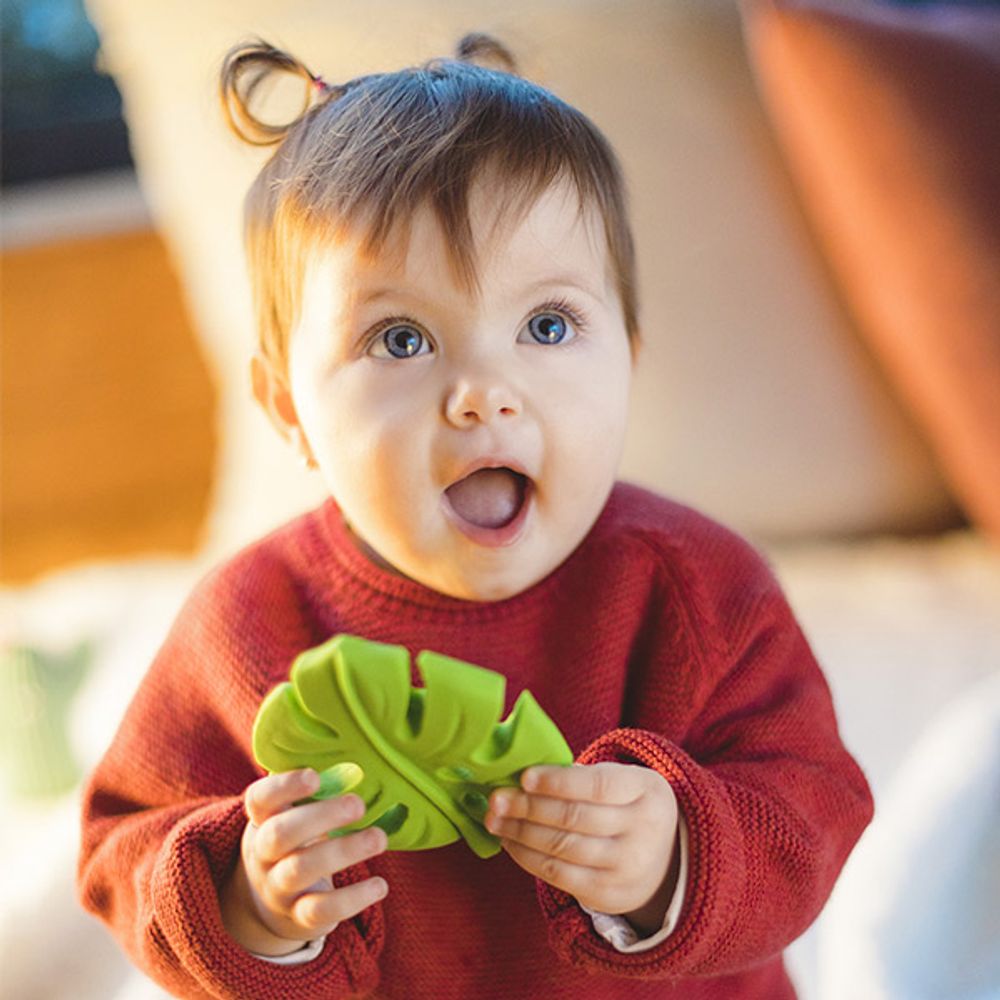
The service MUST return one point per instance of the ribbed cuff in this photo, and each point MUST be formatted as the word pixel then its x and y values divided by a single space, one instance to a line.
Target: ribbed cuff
pixel 193 863
pixel 716 870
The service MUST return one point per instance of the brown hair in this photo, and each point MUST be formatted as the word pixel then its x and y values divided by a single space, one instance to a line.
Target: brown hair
pixel 369 152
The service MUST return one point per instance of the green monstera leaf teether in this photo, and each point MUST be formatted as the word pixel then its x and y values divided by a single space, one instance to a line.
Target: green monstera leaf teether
pixel 424 760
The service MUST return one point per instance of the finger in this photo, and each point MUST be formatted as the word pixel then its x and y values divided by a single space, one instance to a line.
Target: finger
pixel 301 870
pixel 607 783
pixel 576 848
pixel 577 880
pixel 320 912
pixel 295 828
pixel 271 795
pixel 564 814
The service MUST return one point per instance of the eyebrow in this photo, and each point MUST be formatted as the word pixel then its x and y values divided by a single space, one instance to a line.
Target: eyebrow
pixel 564 280
pixel 384 292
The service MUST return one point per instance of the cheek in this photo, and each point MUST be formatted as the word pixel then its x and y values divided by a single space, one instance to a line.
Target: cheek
pixel 376 448
pixel 370 461
pixel 592 415
pixel 348 413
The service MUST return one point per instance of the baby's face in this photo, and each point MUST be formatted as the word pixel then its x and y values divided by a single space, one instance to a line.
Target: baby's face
pixel 471 438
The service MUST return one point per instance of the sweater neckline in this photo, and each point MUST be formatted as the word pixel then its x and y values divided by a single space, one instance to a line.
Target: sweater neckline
pixel 384 586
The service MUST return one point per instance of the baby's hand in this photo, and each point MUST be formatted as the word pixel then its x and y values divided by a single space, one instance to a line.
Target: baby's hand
pixel 604 833
pixel 281 893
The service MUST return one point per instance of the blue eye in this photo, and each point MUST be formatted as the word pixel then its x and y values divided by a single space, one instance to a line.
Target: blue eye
pixel 402 341
pixel 548 328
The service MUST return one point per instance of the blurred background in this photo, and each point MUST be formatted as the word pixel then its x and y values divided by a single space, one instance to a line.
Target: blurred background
pixel 107 404
pixel 815 189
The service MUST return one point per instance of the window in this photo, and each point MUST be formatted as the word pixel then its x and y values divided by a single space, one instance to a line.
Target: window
pixel 60 116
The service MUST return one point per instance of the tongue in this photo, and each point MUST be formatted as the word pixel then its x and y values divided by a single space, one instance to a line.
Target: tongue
pixel 489 498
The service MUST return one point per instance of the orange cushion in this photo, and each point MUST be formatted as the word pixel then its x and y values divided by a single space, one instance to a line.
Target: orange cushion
pixel 890 122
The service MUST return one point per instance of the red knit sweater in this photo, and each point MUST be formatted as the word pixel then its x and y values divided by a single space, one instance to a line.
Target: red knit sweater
pixel 663 640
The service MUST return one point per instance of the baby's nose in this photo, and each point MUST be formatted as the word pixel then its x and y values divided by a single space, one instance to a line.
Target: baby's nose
pixel 479 400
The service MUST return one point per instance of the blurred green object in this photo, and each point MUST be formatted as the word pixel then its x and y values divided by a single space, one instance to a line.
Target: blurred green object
pixel 423 759
pixel 36 694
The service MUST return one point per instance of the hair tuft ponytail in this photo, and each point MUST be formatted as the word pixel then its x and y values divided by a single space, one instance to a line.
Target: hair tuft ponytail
pixel 484 50
pixel 246 66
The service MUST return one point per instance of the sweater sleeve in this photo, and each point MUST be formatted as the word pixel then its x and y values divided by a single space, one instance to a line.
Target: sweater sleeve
pixel 163 818
pixel 773 801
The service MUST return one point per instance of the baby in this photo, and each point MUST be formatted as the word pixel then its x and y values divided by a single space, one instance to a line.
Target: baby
pixel 445 289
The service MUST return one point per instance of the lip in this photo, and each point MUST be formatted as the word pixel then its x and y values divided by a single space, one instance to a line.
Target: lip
pixel 509 533
pixel 491 462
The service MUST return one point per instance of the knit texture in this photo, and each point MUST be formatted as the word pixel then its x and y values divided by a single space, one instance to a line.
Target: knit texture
pixel 664 641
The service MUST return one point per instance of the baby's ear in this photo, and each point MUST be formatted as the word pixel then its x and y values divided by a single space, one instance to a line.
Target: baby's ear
pixel 270 389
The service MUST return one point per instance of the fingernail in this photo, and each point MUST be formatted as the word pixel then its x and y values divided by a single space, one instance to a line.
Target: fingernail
pixel 381 888
pixel 529 779
pixel 500 805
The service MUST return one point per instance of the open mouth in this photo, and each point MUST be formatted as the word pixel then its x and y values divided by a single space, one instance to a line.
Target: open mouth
pixel 489 505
